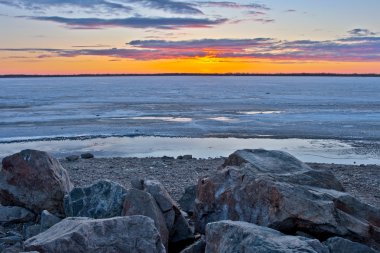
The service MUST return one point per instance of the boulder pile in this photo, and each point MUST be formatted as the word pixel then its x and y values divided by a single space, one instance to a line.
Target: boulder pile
pixel 257 201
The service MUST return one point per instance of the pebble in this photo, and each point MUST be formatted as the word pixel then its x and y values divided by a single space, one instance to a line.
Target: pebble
pixel 87 156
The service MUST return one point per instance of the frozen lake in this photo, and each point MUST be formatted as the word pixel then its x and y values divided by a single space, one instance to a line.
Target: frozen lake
pixel 191 106
pixel 314 118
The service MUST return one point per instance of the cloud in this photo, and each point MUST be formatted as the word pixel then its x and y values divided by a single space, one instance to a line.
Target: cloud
pixel 40 5
pixel 111 5
pixel 169 5
pixel 361 32
pixel 132 22
pixel 367 49
pixel 226 4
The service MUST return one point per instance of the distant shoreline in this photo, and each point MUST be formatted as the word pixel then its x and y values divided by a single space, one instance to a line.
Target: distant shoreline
pixel 197 74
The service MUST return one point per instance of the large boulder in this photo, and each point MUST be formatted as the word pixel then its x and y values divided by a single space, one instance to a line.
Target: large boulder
pixel 179 229
pixel 103 199
pixel 274 189
pixel 80 234
pixel 34 180
pixel 243 237
pixel 139 202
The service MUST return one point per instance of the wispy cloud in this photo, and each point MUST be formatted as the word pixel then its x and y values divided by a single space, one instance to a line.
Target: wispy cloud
pixel 227 4
pixel 361 32
pixel 359 49
pixel 40 5
pixel 111 5
pixel 132 22
pixel 169 5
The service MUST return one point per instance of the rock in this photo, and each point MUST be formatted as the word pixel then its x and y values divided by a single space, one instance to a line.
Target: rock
pixel 341 245
pixel 197 247
pixel 179 229
pixel 274 189
pixel 72 158
pixel 187 157
pixel 241 237
pixel 11 238
pixel 80 234
pixel 103 199
pixel 187 201
pixel 15 214
pixel 87 156
pixel 48 220
pixel 31 230
pixel 15 248
pixel 34 180
pixel 159 193
pixel 139 202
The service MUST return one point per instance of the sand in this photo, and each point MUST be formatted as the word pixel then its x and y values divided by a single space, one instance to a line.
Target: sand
pixel 361 181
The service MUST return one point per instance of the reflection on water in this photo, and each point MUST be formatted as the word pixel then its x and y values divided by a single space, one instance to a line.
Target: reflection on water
pixel 327 151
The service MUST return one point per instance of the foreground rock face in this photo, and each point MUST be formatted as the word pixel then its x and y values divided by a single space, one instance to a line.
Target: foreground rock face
pixel 274 189
pixel 138 202
pixel 34 180
pixel 119 234
pixel 103 199
pixel 187 201
pixel 241 237
pixel 179 229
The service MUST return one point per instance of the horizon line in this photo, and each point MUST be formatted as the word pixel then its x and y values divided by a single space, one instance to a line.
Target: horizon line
pixel 193 74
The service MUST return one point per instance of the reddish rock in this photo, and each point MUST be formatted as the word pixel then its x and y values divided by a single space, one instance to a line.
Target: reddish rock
pixel 139 202
pixel 179 229
pixel 34 180
pixel 274 189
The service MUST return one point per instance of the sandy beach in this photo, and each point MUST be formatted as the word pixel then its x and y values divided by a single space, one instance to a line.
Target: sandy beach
pixel 361 181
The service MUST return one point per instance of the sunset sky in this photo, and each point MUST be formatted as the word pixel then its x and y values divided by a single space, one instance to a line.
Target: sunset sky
pixel 173 36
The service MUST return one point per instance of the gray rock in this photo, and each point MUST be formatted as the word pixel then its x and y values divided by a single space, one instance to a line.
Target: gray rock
pixel 48 220
pixel 159 193
pixel 197 247
pixel 118 234
pixel 341 245
pixel 139 202
pixel 187 157
pixel 87 156
pixel 179 229
pixel 187 201
pixel 15 214
pixel 11 239
pixel 31 230
pixel 15 248
pixel 243 237
pixel 274 189
pixel 103 199
pixel 34 180
pixel 72 158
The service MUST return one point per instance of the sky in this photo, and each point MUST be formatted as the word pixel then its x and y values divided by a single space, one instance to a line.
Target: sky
pixel 183 36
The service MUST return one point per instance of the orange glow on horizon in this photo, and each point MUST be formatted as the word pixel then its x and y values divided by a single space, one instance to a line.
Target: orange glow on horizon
pixel 206 64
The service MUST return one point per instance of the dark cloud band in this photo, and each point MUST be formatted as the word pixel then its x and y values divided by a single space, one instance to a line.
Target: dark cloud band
pixel 133 22
pixel 349 49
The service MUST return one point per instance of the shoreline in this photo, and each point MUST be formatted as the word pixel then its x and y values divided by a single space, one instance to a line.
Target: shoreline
pixel 308 150
pixel 361 181
pixel 217 136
